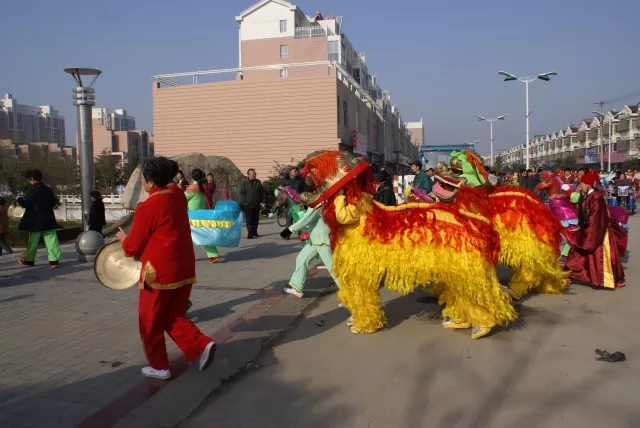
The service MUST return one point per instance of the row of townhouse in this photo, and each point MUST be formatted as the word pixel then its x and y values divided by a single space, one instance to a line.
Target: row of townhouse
pixel 584 143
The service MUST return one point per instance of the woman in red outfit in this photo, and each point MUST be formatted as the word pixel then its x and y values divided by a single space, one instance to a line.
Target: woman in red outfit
pixel 594 256
pixel 161 237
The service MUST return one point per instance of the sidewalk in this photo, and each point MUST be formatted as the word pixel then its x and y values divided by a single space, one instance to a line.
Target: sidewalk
pixel 70 352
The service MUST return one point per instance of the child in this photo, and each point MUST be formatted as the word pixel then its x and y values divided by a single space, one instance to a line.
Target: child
pixel 97 218
pixel 4 228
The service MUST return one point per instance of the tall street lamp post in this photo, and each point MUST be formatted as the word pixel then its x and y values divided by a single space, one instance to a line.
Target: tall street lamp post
pixel 526 80
pixel 491 120
pixel 88 242
pixel 84 99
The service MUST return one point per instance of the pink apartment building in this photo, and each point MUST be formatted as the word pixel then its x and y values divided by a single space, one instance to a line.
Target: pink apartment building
pixel 416 131
pixel 115 131
pixel 300 87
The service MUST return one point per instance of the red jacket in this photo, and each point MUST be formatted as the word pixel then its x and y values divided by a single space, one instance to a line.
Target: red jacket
pixel 161 236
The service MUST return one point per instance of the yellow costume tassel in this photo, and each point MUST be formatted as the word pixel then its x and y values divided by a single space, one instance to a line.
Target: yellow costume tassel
pixel 535 263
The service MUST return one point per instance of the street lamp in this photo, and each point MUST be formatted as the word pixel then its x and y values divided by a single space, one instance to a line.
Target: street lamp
pixel 88 242
pixel 526 80
pixel 613 117
pixel 491 120
pixel 84 99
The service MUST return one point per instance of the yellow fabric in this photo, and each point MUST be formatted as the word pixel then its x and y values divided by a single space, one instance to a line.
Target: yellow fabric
pixel 609 279
pixel 535 264
pixel 148 277
pixel 345 213
pixel 466 281
pixel 215 224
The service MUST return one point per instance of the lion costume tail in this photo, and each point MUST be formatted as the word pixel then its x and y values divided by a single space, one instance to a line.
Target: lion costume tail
pixel 530 239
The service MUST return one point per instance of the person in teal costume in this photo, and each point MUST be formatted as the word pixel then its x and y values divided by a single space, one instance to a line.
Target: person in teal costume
pixel 317 244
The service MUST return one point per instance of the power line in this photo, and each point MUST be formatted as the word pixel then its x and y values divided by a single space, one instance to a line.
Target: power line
pixel 620 98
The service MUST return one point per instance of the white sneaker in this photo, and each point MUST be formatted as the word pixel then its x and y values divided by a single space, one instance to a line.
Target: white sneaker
pixel 207 356
pixel 270 215
pixel 293 292
pixel 149 371
pixel 322 267
pixel 340 305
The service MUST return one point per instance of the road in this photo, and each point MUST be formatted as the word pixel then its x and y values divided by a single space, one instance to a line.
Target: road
pixel 541 372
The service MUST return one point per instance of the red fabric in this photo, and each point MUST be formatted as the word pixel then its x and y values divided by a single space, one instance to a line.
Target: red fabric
pixel 161 311
pixel 590 177
pixel 178 192
pixel 161 236
pixel 542 221
pixel 586 257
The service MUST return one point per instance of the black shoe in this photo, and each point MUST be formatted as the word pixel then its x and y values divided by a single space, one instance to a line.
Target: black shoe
pixel 251 237
pixel 256 236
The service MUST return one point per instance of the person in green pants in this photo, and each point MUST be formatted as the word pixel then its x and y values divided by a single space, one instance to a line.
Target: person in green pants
pixel 39 220
pixel 197 200
pixel 318 244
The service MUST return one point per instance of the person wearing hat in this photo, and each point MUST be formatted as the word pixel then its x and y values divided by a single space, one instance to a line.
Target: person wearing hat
pixel 594 257
pixel 384 188
pixel 97 218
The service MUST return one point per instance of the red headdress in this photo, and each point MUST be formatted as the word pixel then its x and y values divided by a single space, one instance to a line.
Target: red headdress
pixel 590 177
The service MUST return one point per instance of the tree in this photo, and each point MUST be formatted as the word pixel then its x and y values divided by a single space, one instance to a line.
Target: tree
pixel 498 164
pixel 132 163
pixel 107 169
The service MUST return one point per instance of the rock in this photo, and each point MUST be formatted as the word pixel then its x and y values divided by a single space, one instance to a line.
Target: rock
pixel 225 173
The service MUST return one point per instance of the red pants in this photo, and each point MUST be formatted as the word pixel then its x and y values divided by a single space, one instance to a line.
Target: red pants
pixel 164 310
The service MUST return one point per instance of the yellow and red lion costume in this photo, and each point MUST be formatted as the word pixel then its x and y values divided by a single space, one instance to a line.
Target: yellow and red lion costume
pixel 451 245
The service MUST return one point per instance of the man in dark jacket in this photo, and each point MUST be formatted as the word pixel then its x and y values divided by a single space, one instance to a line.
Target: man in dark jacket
pixel 384 189
pixel 39 220
pixel 531 180
pixel 252 197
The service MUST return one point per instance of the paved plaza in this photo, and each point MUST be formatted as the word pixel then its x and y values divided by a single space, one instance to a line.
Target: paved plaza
pixel 70 355
pixel 70 351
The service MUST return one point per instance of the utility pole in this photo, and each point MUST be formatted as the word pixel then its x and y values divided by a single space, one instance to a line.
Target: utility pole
pixel 601 104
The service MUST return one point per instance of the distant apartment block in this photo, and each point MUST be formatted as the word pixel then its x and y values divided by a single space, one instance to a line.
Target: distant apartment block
pixel 300 86
pixel 618 129
pixel 416 132
pixel 25 124
pixel 15 154
pixel 114 130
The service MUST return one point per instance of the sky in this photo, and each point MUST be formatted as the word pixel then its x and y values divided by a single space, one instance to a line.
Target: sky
pixel 438 59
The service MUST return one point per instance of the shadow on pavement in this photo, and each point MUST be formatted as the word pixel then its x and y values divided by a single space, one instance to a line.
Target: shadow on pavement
pixel 263 250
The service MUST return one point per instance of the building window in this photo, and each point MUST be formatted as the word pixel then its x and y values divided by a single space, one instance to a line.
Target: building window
pixel 284 51
pixel 345 112
pixel 338 110
pixel 11 122
pixel 334 50
pixel 283 26
pixel 284 73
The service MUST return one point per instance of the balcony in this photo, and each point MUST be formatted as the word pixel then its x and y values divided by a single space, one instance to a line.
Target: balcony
pixel 313 31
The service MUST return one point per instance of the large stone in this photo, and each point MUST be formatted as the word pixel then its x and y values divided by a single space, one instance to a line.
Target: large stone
pixel 226 174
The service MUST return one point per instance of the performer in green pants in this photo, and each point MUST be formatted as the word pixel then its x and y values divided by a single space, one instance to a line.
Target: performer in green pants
pixel 39 220
pixel 318 244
